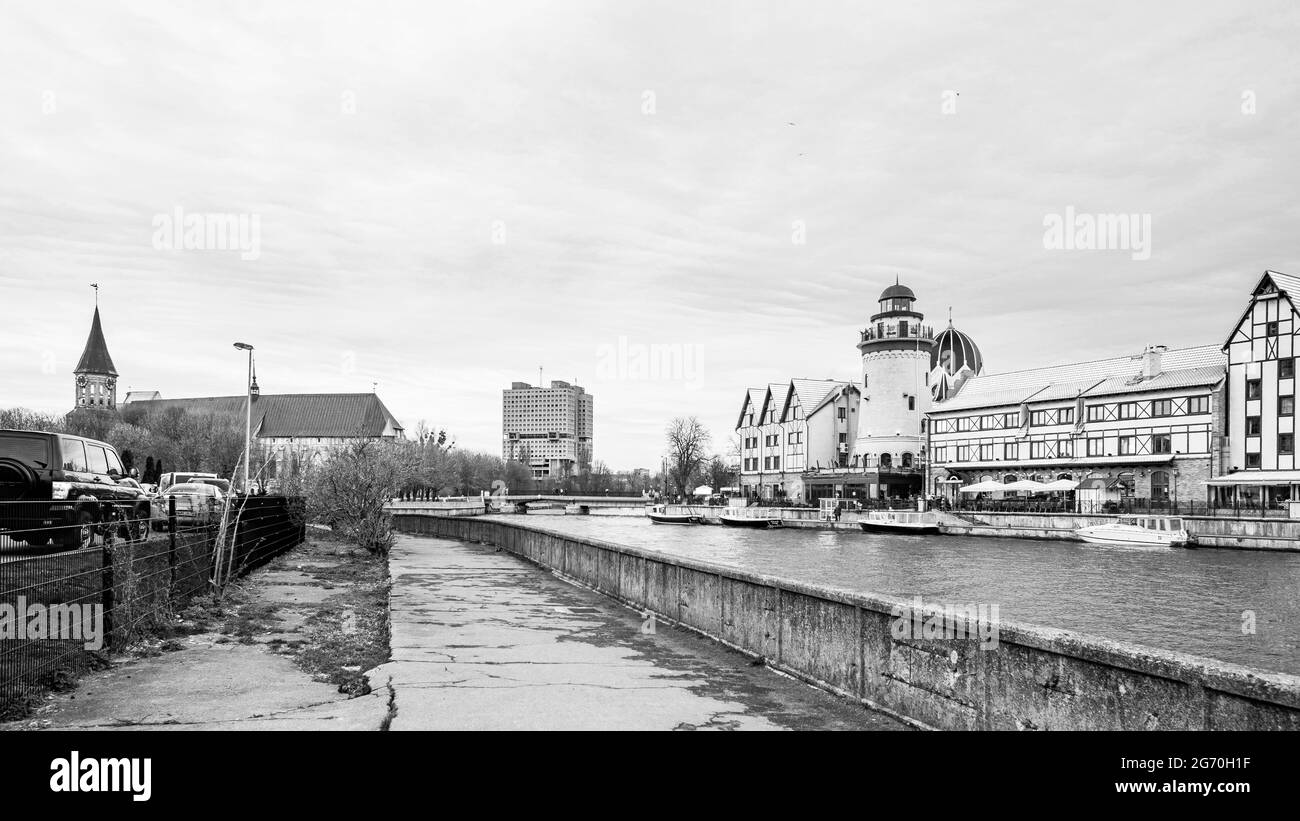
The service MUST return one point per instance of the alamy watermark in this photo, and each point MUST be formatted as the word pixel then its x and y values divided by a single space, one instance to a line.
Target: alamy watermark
pixel 921 620
pixel 56 622
pixel 653 362
pixel 1072 231
pixel 179 231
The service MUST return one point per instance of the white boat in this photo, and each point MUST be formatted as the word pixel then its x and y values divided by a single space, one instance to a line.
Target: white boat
pixel 1138 531
pixel 900 521
pixel 659 515
pixel 740 517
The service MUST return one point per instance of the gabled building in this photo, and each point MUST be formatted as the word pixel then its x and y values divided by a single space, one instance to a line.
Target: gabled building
pixel 1261 351
pixel 789 432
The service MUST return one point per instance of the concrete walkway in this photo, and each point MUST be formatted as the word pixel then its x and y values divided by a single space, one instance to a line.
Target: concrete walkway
pixel 482 640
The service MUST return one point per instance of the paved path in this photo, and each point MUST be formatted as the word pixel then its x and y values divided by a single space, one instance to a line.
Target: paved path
pixel 485 641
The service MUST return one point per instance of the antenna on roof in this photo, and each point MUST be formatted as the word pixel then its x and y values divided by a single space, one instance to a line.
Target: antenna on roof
pixel 95 285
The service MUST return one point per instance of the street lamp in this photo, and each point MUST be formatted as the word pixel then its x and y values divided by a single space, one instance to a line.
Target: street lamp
pixel 248 417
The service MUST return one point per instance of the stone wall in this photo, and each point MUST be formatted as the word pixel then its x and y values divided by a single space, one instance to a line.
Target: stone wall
pixel 1034 679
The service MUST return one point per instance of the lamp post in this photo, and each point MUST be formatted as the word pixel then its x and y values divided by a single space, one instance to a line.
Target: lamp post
pixel 248 416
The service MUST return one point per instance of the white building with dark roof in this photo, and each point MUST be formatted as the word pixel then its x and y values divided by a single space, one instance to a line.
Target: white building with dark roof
pixel 1261 352
pixel 1144 426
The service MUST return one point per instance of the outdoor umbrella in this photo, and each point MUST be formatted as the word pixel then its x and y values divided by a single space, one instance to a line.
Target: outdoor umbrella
pixel 982 487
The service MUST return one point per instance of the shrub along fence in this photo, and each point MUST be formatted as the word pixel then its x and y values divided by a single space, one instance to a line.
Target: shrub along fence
pixel 60 610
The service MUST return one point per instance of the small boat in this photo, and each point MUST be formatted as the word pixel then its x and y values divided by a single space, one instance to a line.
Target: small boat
pixel 1138 531
pixel 900 521
pixel 736 517
pixel 660 516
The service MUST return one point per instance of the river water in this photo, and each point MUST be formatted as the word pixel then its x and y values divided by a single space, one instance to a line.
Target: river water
pixel 1186 600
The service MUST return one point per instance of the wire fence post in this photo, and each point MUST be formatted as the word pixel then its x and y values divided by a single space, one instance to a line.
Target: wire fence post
pixel 171 539
pixel 106 590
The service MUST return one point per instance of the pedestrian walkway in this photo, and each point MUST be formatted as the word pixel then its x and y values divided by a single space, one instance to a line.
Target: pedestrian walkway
pixel 482 640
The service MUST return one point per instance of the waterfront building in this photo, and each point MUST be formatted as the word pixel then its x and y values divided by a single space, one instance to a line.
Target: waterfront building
pixel 1145 426
pixel 548 428
pixel 808 439
pixel 1261 466
pixel 791 432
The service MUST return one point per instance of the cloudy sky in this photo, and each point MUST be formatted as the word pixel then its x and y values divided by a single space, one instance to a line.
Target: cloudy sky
pixel 449 196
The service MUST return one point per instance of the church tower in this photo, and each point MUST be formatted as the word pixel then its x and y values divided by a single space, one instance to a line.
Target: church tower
pixel 896 352
pixel 96 376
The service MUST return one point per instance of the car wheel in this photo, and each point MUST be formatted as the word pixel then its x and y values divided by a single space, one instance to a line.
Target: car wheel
pixel 81 535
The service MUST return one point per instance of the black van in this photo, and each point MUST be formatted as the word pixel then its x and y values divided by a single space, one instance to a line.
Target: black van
pixel 63 488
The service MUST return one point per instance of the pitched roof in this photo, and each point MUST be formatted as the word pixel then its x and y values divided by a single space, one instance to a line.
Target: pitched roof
pixel 295 414
pixel 95 358
pixel 1180 367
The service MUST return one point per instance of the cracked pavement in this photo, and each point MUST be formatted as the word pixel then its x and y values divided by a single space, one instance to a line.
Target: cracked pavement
pixel 482 640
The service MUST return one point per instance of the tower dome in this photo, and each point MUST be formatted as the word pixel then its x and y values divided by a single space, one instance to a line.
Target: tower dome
pixel 954 358
pixel 954 350
pixel 897 291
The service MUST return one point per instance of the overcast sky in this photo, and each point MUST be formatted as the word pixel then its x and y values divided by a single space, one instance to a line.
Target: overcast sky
pixel 450 195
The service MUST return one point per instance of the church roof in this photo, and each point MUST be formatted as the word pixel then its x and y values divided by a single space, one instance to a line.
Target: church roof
pixel 95 358
pixel 284 415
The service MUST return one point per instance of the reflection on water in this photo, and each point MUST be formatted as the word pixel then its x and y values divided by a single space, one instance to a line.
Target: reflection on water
pixel 1186 600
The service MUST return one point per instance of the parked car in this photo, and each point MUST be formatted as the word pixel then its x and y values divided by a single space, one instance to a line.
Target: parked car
pixel 222 485
pixel 196 503
pixel 66 489
pixel 168 479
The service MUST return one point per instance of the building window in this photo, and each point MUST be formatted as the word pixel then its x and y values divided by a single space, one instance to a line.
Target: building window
pixel 1252 426
pixel 1011 450
pixel 1252 460
pixel 1128 410
pixel 1285 368
pixel 1096 446
pixel 1286 443
pixel 1271 329
pixel 1162 407
pixel 843 414
pixel 1286 406
pixel 886 460
pixel 1159 486
pixel 963 453
pixel 1127 445
pixel 1011 420
pixel 907 460
pixel 1160 443
pixel 1096 413
pixel 1253 389
pixel 911 403
pixel 1198 404
pixel 844 438
pixel 986 453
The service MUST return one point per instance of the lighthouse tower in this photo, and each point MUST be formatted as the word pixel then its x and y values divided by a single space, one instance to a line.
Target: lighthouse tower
pixel 896 352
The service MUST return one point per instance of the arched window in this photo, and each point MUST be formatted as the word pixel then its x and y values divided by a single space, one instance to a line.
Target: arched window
pixel 1064 476
pixel 886 460
pixel 1159 486
pixel 1009 478
pixel 907 460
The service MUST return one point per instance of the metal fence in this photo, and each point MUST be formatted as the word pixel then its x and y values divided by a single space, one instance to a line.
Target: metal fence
pixel 1126 505
pixel 71 589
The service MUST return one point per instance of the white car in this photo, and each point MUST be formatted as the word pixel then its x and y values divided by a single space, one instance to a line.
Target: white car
pixel 196 504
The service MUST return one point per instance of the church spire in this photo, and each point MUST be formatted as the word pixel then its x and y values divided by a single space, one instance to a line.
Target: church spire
pixel 96 384
pixel 95 358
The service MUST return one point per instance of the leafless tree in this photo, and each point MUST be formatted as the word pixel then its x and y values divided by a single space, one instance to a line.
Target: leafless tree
pixel 688 442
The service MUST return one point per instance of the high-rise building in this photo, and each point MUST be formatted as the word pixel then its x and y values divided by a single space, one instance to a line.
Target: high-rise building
pixel 548 429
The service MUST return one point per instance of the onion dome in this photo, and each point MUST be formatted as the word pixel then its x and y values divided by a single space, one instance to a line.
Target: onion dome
pixel 897 291
pixel 953 351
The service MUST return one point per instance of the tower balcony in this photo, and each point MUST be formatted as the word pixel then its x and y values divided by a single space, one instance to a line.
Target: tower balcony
pixel 882 332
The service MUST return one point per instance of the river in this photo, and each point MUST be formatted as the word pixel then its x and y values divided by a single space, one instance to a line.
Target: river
pixel 1191 601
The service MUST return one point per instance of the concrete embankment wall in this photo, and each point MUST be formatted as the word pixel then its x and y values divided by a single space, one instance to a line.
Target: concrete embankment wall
pixel 1247 534
pixel 1035 678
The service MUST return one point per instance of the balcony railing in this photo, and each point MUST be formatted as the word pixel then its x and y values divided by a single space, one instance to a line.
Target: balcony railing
pixel 917 332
